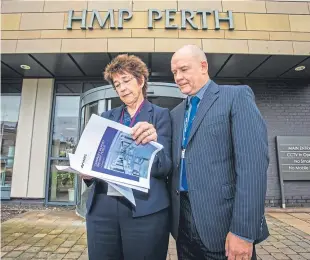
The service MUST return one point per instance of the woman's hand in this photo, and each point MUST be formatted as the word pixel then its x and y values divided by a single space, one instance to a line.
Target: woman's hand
pixel 144 132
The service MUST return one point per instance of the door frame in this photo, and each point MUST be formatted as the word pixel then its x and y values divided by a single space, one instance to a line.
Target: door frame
pixel 158 89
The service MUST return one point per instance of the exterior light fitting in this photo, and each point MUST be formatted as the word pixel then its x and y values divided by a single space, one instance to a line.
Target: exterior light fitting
pixel 25 67
pixel 300 68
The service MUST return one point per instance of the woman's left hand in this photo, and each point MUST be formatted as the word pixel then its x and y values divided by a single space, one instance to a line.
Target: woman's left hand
pixel 144 132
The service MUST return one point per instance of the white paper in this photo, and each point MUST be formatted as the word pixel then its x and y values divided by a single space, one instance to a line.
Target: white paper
pixel 113 192
pixel 126 192
pixel 106 151
pixel 69 169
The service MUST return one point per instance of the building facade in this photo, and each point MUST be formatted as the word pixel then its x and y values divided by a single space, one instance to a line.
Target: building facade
pixel 54 52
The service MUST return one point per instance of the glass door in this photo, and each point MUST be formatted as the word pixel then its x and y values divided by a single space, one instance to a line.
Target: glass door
pixel 95 107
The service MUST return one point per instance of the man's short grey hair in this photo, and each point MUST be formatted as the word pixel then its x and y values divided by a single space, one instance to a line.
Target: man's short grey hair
pixel 193 50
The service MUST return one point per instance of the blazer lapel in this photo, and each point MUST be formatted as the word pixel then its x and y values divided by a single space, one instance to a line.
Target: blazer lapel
pixel 116 113
pixel 146 112
pixel 207 101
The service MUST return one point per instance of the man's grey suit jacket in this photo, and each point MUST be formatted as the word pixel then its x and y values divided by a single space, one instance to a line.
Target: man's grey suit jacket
pixel 226 166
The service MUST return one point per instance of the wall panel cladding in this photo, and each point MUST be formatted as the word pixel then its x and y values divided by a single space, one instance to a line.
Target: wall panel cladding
pixel 286 109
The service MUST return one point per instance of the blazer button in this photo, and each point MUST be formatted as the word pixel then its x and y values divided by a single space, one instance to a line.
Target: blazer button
pixel 177 192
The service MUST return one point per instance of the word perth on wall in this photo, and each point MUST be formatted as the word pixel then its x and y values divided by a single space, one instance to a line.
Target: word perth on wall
pixel 154 15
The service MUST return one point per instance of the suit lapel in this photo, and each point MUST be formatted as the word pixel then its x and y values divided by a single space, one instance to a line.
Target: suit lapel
pixel 179 125
pixel 210 96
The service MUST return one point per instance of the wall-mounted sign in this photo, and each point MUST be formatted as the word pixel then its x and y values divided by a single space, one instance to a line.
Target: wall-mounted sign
pixel 294 157
pixel 154 15
pixel 293 154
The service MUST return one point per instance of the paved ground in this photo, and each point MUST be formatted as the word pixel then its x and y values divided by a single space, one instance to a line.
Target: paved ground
pixel 61 235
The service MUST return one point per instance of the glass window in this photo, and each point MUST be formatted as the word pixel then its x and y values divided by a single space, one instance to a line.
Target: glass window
pixel 65 127
pixel 10 103
pixel 64 141
pixel 62 186
pixel 167 102
pixel 116 102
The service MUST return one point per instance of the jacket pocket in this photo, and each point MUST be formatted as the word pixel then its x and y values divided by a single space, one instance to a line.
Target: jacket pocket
pixel 228 191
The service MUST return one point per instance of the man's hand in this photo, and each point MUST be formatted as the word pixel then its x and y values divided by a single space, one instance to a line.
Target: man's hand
pixel 143 132
pixel 238 249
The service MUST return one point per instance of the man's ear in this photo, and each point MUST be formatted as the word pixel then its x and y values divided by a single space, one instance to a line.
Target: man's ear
pixel 204 67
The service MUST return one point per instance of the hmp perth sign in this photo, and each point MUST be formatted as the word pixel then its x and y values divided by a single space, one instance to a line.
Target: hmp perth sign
pixel 153 16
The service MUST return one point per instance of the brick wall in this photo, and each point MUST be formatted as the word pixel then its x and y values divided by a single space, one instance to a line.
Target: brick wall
pixel 286 109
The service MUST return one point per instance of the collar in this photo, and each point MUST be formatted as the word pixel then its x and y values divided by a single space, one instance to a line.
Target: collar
pixel 147 105
pixel 116 112
pixel 201 91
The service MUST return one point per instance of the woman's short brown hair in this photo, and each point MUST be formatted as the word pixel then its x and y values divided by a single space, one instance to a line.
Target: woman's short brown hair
pixel 130 64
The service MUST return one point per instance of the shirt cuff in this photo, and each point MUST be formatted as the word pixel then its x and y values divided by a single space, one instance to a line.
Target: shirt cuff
pixel 244 238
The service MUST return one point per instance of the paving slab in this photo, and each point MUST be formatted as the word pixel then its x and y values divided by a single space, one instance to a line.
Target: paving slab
pixel 62 235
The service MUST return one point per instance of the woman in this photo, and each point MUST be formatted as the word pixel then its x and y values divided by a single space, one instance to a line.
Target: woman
pixel 115 228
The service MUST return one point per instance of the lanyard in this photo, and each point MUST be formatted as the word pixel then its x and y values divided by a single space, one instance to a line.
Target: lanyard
pixel 187 126
pixel 134 117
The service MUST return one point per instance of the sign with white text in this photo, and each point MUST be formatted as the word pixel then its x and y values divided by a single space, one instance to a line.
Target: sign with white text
pixel 116 19
pixel 294 157
pixel 293 154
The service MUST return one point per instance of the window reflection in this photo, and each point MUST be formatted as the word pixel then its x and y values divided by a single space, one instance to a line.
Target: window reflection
pixel 116 102
pixel 64 141
pixel 167 102
pixel 61 183
pixel 6 171
pixel 9 117
pixel 65 128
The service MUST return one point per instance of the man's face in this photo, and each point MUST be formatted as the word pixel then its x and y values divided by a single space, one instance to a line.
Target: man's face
pixel 189 73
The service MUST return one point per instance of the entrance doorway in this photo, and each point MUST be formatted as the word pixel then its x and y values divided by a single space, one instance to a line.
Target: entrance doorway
pixel 98 100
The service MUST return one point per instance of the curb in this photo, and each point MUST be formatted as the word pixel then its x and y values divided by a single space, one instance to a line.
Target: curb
pixel 287 210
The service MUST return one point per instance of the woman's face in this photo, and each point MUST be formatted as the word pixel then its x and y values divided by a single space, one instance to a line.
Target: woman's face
pixel 128 88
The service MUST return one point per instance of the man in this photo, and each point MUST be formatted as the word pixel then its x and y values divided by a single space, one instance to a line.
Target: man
pixel 220 158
